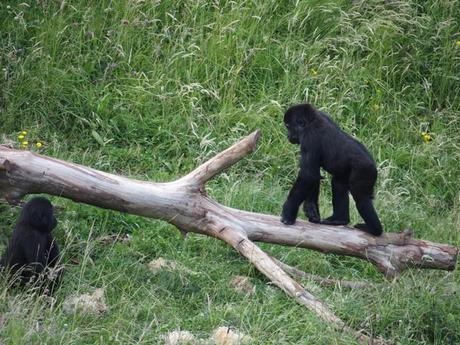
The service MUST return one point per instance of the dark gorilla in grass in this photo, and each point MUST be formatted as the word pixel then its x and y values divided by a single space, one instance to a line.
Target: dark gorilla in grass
pixel 31 248
pixel 324 144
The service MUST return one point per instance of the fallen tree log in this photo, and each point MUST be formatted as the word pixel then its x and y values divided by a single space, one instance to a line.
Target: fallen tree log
pixel 185 204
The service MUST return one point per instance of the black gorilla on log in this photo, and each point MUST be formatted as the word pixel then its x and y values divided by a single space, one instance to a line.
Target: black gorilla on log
pixel 324 144
pixel 32 248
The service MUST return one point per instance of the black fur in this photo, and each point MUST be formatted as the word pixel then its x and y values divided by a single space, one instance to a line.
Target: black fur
pixel 31 248
pixel 324 144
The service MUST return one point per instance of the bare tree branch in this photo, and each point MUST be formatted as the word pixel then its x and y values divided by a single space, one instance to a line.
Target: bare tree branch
pixel 184 203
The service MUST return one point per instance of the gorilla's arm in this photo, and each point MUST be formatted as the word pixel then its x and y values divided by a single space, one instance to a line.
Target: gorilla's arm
pixel 310 205
pixel 305 189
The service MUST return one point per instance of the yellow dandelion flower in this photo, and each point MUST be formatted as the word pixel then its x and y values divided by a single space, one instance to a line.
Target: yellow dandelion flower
pixel 426 137
pixel 38 145
pixel 20 137
pixel 24 132
pixel 313 72
pixel 25 143
pixel 458 43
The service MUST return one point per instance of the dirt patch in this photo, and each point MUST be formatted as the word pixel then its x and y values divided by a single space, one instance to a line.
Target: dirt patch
pixel 87 304
pixel 243 285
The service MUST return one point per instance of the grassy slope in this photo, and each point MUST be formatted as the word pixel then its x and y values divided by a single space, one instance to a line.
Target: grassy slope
pixel 150 89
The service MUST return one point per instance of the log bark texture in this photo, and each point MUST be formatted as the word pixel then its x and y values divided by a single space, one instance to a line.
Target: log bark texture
pixel 185 204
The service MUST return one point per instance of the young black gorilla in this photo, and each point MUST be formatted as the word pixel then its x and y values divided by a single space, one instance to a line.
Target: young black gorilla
pixel 32 248
pixel 324 144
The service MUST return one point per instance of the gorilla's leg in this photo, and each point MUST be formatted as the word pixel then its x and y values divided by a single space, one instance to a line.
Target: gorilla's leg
pixel 372 223
pixel 362 190
pixel 340 203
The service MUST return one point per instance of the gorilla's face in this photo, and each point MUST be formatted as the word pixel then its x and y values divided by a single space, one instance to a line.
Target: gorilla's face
pixel 295 122
pixel 38 213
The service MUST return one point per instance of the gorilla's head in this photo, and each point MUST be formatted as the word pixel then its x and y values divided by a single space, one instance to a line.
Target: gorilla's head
pixel 38 214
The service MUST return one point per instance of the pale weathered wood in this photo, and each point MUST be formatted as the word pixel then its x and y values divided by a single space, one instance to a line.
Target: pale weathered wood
pixel 185 204
pixel 266 265
pixel 391 252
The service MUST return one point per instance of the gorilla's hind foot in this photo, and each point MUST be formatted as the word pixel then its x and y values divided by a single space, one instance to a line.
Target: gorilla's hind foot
pixel 333 221
pixel 364 227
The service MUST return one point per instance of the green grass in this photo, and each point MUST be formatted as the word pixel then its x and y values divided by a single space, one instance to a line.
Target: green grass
pixel 150 89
